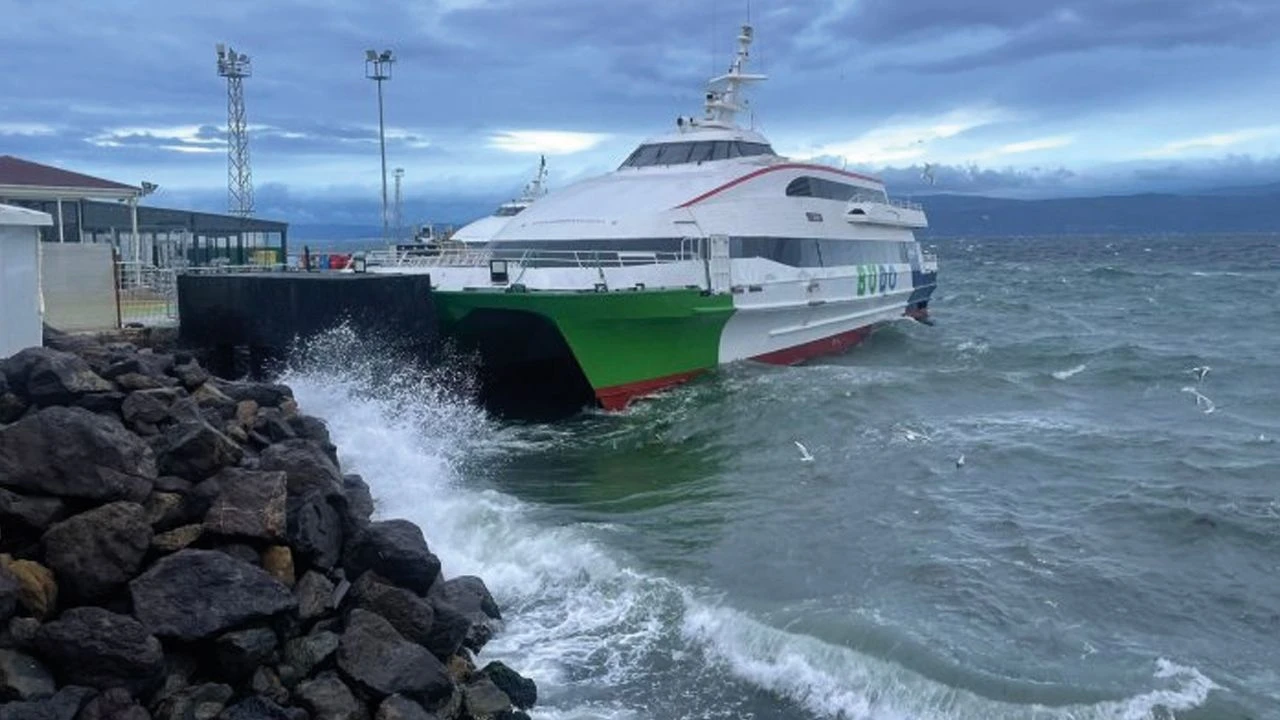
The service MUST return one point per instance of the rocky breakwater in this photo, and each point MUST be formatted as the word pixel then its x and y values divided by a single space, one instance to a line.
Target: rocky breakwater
pixel 179 547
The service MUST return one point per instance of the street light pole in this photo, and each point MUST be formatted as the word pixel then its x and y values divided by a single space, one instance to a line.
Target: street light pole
pixel 377 67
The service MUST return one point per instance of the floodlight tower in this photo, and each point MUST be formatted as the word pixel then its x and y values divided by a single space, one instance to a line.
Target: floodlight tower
pixel 377 67
pixel 399 206
pixel 235 67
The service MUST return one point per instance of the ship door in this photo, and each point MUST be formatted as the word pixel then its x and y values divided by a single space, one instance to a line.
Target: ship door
pixel 719 270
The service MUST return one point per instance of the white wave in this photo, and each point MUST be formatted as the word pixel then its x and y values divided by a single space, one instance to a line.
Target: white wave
pixel 977 347
pixel 581 620
pixel 1070 372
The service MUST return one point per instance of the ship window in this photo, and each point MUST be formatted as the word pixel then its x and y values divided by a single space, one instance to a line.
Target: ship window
pixel 508 211
pixel 693 152
pixel 807 186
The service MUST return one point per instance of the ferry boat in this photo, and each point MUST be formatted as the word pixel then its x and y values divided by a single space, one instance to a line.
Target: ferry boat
pixel 704 247
pixel 483 230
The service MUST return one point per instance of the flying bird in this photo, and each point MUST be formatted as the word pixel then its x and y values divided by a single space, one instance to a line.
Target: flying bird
pixel 960 461
pixel 1200 372
pixel 804 452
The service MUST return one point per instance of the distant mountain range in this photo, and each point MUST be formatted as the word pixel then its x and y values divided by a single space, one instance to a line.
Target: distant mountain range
pixel 1227 210
pixel 1251 209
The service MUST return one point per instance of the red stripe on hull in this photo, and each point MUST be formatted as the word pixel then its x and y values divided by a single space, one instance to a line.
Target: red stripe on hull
pixel 619 396
pixel 775 168
pixel 826 346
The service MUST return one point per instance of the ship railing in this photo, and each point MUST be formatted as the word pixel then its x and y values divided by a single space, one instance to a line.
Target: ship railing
pixel 906 204
pixel 530 258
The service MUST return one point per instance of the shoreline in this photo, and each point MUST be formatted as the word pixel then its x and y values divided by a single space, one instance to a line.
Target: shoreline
pixel 182 547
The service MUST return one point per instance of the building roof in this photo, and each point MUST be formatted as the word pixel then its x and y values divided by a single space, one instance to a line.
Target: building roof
pixel 19 174
pixel 11 215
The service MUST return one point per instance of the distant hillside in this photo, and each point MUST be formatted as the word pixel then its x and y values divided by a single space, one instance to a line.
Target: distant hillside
pixel 1255 209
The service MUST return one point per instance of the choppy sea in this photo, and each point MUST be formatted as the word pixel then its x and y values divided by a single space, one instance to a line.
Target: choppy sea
pixel 1109 547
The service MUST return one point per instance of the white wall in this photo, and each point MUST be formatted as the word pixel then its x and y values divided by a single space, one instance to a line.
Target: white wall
pixel 79 287
pixel 19 289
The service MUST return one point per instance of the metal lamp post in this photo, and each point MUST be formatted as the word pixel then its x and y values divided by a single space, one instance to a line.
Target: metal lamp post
pixel 377 67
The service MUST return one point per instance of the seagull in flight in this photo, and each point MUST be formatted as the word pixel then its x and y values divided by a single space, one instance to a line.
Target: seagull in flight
pixel 1200 372
pixel 804 452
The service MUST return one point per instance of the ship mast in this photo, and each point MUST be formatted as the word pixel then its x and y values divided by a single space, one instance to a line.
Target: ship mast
pixel 726 96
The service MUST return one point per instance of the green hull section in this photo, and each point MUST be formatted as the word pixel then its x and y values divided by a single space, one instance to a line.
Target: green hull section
pixel 619 339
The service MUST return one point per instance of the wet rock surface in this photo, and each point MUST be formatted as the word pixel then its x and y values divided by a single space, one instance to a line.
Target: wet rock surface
pixel 179 547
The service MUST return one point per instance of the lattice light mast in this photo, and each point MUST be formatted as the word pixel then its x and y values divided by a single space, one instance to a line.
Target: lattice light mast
pixel 235 67
pixel 398 217
pixel 377 67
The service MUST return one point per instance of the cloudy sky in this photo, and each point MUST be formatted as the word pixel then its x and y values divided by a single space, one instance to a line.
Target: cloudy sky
pixel 1015 97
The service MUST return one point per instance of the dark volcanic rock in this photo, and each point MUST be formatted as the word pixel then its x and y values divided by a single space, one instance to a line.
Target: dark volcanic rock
pixel 195 450
pixel 114 704
pixel 265 394
pixel 241 652
pixel 166 510
pixel 150 365
pixel 197 702
pixel 379 659
pixel 315 530
pixel 37 588
pixel 35 513
pixel 64 705
pixel 73 453
pixel 11 406
pixel 399 707
pixel 328 698
pixel 411 615
pixel 177 538
pixel 315 595
pixel 94 647
pixel 22 677
pixel 241 552
pixel 310 470
pixel 250 504
pixel 396 550
pixel 449 629
pixel 304 654
pixel 482 698
pixel 522 691
pixel 95 553
pixel 9 589
pixel 104 403
pixel 357 507
pixel 148 406
pixel 50 377
pixel 259 708
pixel 194 594
pixel 469 596
pixel 132 382
pixel 22 631
pixel 191 375
pixel 267 683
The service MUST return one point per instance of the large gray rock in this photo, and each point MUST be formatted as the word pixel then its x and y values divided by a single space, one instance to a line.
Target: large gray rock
pixel 315 529
pixel 265 394
pixel 376 657
pixel 64 705
pixel 95 553
pixel 357 506
pixel 147 364
pixel 195 702
pixel 483 699
pixel 469 596
pixel 50 377
pixel 307 653
pixel 148 406
pixel 11 406
pixel 113 704
pixel 256 707
pixel 73 453
pixel 33 513
pixel 250 504
pixel 328 698
pixel 411 615
pixel 195 594
pixel 399 707
pixel 315 595
pixel 310 470
pixel 522 691
pixel 449 629
pixel 190 374
pixel 97 648
pixel 396 550
pixel 195 450
pixel 22 677
pixel 241 652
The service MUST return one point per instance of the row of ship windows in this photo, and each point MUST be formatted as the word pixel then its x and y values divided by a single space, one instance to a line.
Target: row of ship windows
pixel 796 252
pixel 681 153
pixel 831 190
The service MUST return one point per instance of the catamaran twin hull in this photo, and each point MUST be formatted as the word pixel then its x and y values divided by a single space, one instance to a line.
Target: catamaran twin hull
pixel 637 332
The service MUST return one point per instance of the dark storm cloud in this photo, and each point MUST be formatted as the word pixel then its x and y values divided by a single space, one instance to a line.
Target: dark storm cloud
pixel 1028 30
